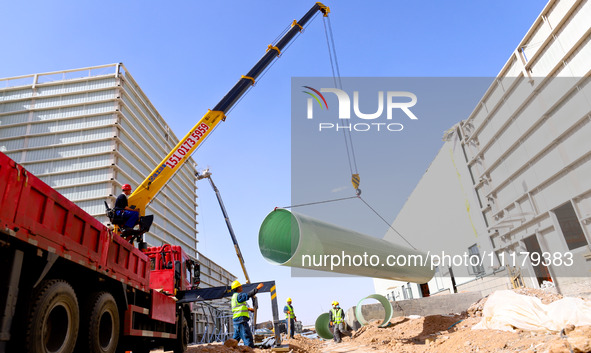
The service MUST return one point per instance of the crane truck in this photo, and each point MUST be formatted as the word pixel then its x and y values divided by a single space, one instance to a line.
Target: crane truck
pixel 70 283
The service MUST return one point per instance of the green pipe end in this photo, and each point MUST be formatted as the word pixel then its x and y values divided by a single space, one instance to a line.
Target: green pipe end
pixel 385 303
pixel 279 236
pixel 322 328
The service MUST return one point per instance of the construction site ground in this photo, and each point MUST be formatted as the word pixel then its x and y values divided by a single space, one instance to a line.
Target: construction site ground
pixel 437 333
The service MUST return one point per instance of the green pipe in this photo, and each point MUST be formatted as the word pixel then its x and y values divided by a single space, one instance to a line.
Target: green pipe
pixel 385 303
pixel 322 328
pixel 290 239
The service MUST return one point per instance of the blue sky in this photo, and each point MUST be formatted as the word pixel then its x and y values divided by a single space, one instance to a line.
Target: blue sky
pixel 186 55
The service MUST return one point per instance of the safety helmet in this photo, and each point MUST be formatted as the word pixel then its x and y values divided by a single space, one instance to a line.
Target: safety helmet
pixel 335 303
pixel 288 300
pixel 126 187
pixel 235 285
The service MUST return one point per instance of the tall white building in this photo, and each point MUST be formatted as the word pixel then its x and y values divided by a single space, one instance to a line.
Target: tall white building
pixel 86 132
pixel 515 176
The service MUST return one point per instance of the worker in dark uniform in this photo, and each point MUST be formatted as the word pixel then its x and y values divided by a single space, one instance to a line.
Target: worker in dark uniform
pixel 122 210
pixel 290 318
pixel 240 315
pixel 337 320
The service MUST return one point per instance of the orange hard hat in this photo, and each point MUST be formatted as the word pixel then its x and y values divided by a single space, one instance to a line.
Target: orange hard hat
pixel 126 187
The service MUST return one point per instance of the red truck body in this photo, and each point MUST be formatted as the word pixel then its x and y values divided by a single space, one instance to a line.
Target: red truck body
pixel 48 244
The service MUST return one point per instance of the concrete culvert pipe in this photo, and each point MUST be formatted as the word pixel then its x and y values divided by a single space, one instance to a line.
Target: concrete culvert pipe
pixel 385 303
pixel 290 239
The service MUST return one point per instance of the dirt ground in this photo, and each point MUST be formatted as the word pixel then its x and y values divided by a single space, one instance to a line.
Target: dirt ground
pixel 439 333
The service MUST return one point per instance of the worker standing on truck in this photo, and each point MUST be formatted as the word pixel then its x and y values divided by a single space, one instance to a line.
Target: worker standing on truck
pixel 337 318
pixel 290 318
pixel 129 215
pixel 240 315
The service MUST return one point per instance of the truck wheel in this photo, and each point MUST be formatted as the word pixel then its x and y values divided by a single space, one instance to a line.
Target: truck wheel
pixel 102 323
pixel 53 318
pixel 182 339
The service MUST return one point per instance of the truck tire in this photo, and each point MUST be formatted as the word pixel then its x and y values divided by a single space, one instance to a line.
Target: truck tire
pixel 182 338
pixel 53 319
pixel 101 324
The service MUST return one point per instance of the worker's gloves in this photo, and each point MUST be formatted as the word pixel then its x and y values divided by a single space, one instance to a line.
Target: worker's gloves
pixel 251 309
pixel 259 286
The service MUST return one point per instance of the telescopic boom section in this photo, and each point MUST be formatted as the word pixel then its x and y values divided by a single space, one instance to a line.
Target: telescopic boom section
pixel 166 169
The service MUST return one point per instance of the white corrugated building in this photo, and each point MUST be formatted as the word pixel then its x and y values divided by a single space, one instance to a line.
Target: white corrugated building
pixel 86 132
pixel 515 176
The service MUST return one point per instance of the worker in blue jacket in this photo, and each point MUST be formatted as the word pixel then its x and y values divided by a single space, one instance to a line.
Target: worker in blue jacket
pixel 240 315
pixel 122 209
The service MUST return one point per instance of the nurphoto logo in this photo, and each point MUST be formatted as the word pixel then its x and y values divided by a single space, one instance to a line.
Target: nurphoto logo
pixel 401 100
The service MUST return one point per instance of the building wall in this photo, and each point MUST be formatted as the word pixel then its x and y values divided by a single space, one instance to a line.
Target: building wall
pixel 86 132
pixel 213 319
pixel 526 167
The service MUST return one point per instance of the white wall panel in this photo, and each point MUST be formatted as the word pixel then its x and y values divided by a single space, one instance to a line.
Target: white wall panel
pixel 75 98
pixel 66 132
pixel 73 124
pixel 83 177
pixel 71 137
pixel 86 191
pixel 575 27
pixel 67 112
pixel 68 165
pixel 578 62
pixel 10 119
pixel 72 87
pixel 15 94
pixel 6 131
pixel 68 151
pixel 540 33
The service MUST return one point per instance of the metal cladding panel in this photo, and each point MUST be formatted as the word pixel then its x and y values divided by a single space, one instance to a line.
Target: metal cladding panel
pixel 94 207
pixel 578 63
pixel 6 131
pixel 75 99
pixel 81 192
pixel 68 151
pixel 13 144
pixel 79 110
pixel 541 32
pixel 146 111
pixel 72 87
pixel 68 165
pixel 56 136
pixel 79 177
pixel 559 9
pixel 6 95
pixel 73 124
pixel 10 107
pixel 71 137
pixel 575 27
pixel 9 119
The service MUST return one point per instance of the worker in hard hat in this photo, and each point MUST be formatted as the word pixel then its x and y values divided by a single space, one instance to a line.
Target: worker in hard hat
pixel 290 318
pixel 337 321
pixel 129 215
pixel 240 316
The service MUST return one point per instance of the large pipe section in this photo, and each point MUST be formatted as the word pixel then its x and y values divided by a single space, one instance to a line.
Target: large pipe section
pixel 291 239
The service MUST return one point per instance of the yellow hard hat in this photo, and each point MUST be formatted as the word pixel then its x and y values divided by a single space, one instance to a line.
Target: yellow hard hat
pixel 235 285
pixel 288 299
pixel 335 303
